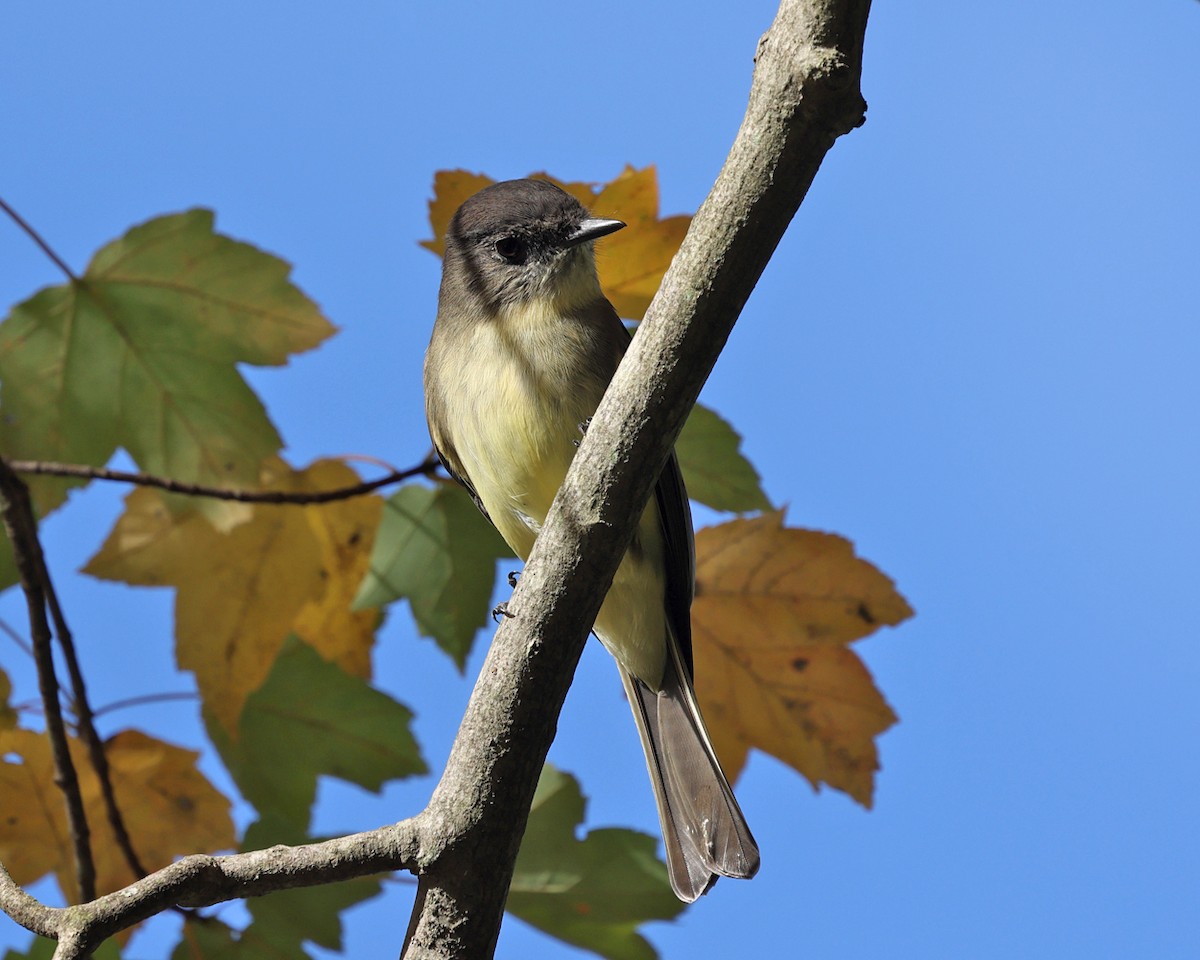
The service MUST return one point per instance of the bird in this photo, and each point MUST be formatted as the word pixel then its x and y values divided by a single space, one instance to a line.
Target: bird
pixel 523 346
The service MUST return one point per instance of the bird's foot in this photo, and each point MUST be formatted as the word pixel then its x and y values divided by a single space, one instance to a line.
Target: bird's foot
pixel 501 610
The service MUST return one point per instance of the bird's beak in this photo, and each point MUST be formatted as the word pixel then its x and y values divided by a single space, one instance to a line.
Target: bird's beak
pixel 593 229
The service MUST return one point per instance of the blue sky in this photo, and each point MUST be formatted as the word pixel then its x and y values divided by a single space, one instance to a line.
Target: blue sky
pixel 974 354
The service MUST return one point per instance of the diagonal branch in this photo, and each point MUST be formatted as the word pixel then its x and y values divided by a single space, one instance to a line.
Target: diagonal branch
pixel 805 94
pixel 21 526
pixel 86 722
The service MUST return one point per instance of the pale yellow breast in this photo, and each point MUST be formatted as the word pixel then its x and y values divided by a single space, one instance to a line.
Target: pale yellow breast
pixel 524 393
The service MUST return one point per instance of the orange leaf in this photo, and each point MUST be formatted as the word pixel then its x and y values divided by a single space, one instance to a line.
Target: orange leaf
pixel 241 593
pixel 631 262
pixel 170 809
pixel 450 189
pixel 774 610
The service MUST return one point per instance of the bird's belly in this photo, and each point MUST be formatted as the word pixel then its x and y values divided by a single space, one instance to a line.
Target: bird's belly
pixel 516 441
pixel 517 430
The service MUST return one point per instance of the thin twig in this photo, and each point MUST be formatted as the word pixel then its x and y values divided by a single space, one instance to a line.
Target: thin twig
pixel 143 701
pixel 21 527
pixel 201 880
pixel 85 720
pixel 37 238
pixel 45 467
pixel 16 638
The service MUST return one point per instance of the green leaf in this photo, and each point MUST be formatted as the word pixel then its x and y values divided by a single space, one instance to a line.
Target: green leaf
pixel 42 949
pixel 142 352
pixel 287 918
pixel 714 469
pixel 281 921
pixel 310 719
pixel 208 939
pixel 594 892
pixel 214 940
pixel 437 550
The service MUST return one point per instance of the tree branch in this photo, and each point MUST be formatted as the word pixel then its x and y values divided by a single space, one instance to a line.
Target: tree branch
pixel 21 526
pixel 426 468
pixel 86 723
pixel 200 881
pixel 805 94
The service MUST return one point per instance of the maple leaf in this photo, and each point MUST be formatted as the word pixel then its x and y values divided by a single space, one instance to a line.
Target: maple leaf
pixel 594 892
pixel 310 718
pixel 774 611
pixel 437 550
pixel 141 352
pixel 169 807
pixel 714 469
pixel 450 189
pixel 240 593
pixel 631 262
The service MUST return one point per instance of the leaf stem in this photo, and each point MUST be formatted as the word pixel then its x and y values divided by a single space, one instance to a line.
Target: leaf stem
pixel 144 700
pixel 16 638
pixel 37 238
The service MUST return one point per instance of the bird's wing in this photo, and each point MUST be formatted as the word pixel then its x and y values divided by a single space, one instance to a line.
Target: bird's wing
pixel 676 519
pixel 449 457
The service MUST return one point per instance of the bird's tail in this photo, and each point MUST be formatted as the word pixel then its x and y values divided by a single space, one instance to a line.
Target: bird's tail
pixel 705 834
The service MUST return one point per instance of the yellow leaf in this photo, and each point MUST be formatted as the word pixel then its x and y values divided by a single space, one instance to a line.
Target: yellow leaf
pixel 774 610
pixel 241 592
pixel 450 189
pixel 631 262
pixel 170 809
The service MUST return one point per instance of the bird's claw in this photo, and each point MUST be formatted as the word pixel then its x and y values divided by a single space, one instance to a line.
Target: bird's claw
pixel 501 610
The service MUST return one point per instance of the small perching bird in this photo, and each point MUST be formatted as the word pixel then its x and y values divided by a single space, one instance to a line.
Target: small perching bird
pixel 524 346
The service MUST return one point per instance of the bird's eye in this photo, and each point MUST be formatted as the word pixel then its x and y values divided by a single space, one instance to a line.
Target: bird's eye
pixel 510 249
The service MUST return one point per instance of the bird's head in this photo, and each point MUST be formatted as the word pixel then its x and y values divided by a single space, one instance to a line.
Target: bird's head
pixel 525 242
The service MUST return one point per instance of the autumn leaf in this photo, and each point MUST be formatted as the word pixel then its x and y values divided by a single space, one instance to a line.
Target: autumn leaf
pixel 435 549
pixel 594 892
pixel 289 569
pixel 142 352
pixel 450 189
pixel 169 808
pixel 310 718
pixel 714 470
pixel 775 609
pixel 631 262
